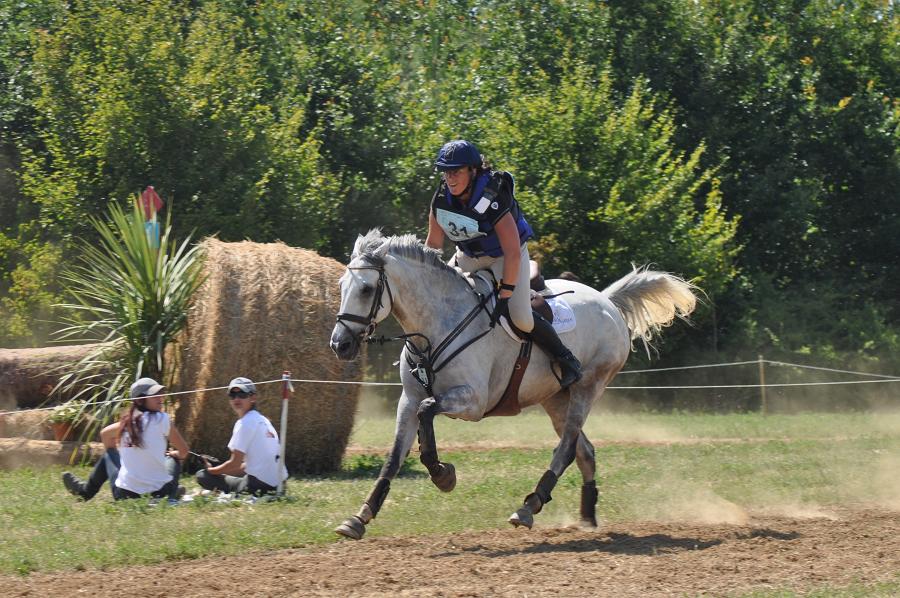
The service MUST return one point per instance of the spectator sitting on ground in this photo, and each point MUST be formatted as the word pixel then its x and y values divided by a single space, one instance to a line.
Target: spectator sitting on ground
pixel 136 461
pixel 254 465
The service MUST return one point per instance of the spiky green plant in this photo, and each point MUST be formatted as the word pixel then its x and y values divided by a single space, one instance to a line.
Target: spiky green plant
pixel 130 297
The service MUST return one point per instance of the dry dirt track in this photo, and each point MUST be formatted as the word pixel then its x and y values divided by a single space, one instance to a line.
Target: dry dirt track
pixel 623 560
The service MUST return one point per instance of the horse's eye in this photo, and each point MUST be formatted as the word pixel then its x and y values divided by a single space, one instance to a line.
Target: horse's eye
pixel 366 290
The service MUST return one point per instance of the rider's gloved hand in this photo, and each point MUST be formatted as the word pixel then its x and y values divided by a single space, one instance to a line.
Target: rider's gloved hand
pixel 500 309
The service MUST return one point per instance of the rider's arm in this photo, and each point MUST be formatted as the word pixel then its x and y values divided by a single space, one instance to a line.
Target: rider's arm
pixel 435 238
pixel 509 242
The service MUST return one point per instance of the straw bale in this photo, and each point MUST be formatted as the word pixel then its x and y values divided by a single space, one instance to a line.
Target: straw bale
pixel 28 423
pixel 28 375
pixel 22 452
pixel 265 308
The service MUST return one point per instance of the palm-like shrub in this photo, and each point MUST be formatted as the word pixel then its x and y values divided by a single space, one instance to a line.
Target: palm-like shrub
pixel 132 298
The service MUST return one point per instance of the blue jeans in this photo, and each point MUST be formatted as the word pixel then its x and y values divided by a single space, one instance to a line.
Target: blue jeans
pixel 106 468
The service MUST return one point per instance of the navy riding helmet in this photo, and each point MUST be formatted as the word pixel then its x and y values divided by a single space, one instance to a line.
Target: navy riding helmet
pixel 455 154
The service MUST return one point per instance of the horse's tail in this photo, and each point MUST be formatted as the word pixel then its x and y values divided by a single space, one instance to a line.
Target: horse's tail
pixel 651 300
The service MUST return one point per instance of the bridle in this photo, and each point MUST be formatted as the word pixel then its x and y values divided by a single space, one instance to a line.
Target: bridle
pixel 377 304
pixel 424 366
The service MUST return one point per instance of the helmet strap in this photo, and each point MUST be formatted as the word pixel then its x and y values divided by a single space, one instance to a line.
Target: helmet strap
pixel 471 184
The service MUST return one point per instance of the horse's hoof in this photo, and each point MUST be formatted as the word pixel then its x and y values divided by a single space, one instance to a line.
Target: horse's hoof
pixel 352 528
pixel 588 523
pixel 446 479
pixel 522 518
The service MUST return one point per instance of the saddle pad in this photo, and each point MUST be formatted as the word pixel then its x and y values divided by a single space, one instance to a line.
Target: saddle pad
pixel 563 317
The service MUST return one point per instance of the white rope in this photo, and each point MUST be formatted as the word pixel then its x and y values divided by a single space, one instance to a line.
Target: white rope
pixel 812 367
pixel 690 367
pixel 884 378
pixel 348 382
pixel 756 385
pixel 162 394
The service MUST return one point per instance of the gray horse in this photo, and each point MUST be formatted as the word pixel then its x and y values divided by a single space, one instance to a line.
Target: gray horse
pixel 454 364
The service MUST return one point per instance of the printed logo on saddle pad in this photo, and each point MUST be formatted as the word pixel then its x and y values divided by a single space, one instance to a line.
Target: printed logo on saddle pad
pixel 563 315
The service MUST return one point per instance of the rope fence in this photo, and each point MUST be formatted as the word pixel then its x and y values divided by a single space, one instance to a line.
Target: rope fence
pixel 881 379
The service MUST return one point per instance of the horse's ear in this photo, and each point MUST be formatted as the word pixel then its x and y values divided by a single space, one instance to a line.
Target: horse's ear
pixel 381 250
pixel 367 243
pixel 357 247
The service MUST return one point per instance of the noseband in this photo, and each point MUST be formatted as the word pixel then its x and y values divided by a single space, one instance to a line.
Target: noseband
pixel 377 304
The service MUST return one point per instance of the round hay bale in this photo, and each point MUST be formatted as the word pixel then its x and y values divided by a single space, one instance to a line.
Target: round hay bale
pixel 28 375
pixel 265 308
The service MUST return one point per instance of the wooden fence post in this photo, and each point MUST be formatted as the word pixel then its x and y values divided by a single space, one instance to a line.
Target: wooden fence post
pixel 762 386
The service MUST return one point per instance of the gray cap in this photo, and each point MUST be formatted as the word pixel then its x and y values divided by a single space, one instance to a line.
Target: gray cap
pixel 145 387
pixel 245 384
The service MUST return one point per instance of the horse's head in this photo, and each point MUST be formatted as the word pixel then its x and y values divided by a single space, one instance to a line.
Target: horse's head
pixel 365 296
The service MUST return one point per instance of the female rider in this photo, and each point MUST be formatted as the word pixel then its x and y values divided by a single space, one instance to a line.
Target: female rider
pixel 475 207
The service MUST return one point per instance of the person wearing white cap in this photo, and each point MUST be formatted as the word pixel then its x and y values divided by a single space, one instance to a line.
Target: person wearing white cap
pixel 254 465
pixel 141 439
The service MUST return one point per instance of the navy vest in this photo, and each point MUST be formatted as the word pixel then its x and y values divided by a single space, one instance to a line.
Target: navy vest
pixel 471 226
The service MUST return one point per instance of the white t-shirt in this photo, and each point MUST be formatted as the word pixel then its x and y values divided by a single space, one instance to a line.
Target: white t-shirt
pixel 254 436
pixel 143 468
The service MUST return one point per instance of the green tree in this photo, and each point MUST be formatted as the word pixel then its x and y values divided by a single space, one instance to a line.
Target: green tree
pixel 606 187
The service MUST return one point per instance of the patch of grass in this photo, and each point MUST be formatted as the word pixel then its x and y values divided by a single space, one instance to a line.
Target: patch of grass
pixel 533 427
pixel 45 528
pixel 368 466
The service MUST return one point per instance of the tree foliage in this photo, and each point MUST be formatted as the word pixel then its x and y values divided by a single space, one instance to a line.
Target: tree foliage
pixel 750 144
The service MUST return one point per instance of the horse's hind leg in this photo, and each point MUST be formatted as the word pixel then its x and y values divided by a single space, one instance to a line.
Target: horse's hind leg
pixel 584 457
pixel 579 405
pixel 556 407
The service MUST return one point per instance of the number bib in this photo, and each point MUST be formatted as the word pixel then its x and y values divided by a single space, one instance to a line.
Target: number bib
pixel 458 227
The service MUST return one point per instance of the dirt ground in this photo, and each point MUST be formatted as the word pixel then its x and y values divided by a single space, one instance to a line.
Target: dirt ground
pixel 827 548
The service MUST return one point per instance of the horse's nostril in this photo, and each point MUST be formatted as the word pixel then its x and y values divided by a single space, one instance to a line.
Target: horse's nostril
pixel 344 346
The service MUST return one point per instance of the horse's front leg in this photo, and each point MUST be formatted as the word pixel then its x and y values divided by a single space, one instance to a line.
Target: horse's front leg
pixel 458 402
pixel 355 526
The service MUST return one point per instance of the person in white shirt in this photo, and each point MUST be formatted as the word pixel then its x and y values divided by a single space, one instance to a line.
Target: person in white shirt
pixel 255 464
pixel 137 460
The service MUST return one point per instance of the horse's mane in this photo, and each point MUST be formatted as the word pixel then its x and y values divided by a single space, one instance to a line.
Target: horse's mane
pixel 373 246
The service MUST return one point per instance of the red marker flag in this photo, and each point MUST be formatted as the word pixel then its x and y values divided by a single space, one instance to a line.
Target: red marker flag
pixel 150 202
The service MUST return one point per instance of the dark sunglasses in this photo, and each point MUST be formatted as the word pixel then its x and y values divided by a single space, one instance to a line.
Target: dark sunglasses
pixel 238 395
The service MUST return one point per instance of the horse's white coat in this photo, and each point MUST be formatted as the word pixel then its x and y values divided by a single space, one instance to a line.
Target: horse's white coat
pixel 431 298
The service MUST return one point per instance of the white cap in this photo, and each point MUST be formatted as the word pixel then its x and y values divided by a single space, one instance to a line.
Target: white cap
pixel 244 384
pixel 145 387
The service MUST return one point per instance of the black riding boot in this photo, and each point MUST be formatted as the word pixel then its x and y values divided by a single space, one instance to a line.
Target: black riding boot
pixel 99 475
pixel 546 338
